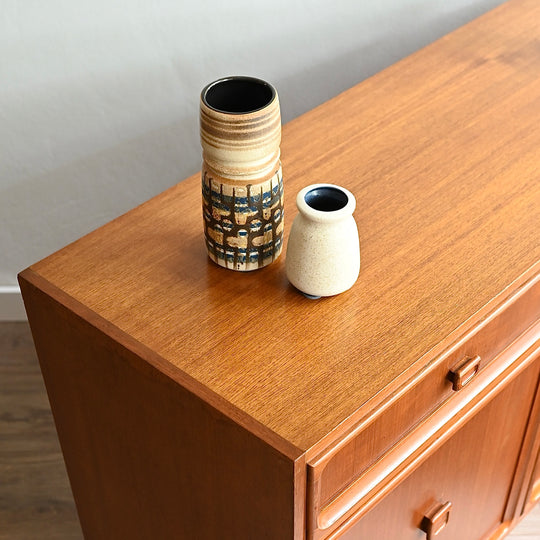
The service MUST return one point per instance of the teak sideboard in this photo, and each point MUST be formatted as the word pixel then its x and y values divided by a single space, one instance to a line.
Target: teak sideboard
pixel 193 402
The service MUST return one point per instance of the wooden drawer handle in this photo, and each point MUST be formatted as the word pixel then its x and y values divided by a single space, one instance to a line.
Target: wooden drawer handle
pixel 433 523
pixel 463 373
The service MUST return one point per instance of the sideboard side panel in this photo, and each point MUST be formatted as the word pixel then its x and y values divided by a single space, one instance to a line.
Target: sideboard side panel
pixel 146 458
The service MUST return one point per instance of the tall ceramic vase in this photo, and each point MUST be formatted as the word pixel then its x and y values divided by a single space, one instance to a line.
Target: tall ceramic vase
pixel 242 184
pixel 323 252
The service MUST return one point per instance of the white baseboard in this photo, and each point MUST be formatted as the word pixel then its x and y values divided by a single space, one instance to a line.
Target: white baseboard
pixel 11 304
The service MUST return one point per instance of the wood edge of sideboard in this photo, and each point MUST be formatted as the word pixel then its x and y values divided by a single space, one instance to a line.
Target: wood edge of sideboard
pixel 30 278
pixel 127 429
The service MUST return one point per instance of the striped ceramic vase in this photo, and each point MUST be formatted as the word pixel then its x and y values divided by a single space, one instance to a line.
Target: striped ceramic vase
pixel 242 184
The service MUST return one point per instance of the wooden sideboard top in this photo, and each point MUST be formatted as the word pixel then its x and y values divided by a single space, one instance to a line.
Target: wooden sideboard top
pixel 442 151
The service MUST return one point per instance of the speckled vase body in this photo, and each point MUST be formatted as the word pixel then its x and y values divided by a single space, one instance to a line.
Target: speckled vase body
pixel 323 251
pixel 242 183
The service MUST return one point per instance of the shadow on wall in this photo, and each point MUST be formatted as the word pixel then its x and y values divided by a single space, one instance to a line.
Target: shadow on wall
pixel 41 213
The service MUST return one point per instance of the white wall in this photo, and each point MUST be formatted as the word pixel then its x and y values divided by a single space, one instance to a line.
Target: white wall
pixel 99 99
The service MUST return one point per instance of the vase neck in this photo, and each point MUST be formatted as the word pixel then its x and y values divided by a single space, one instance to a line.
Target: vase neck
pixel 240 145
pixel 325 203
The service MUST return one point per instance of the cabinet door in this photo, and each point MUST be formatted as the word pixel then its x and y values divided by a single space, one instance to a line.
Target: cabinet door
pixel 528 474
pixel 533 494
pixel 473 471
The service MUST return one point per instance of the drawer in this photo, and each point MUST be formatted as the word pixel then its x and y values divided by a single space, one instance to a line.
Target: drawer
pixel 455 492
pixel 377 443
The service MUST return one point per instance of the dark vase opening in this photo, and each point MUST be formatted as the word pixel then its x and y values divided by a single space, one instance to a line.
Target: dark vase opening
pixel 326 199
pixel 238 95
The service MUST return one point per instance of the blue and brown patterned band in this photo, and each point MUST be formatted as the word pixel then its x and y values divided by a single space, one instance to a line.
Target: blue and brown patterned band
pixel 243 225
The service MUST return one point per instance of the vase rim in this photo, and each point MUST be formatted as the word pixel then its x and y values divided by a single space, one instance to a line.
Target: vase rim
pixel 322 207
pixel 266 94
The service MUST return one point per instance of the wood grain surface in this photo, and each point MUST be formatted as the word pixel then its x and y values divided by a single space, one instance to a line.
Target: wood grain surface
pixel 441 151
pixel 382 431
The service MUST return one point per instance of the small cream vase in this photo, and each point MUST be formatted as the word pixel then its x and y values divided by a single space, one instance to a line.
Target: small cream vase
pixel 323 251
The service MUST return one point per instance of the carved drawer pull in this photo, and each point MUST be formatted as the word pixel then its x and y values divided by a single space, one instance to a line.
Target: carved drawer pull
pixel 462 374
pixel 433 523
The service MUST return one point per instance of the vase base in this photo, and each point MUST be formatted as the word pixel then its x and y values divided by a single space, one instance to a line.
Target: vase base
pixel 307 295
pixel 243 265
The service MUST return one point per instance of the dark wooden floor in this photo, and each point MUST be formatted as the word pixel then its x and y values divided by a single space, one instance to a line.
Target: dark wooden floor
pixel 35 497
